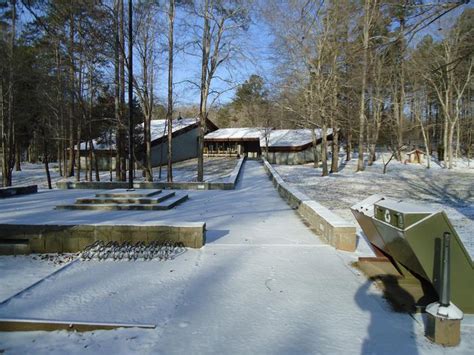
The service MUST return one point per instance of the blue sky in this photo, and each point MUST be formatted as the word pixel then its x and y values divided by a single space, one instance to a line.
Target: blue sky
pixel 257 41
pixel 255 59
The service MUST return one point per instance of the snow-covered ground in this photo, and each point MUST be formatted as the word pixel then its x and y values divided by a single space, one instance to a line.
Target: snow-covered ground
pixel 263 284
pixel 32 269
pixel 450 190
pixel 215 169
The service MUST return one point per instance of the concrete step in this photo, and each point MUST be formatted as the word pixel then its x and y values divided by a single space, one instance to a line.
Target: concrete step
pixel 126 200
pixel 165 205
pixel 129 193
pixel 14 246
pixel 175 200
pixel 17 190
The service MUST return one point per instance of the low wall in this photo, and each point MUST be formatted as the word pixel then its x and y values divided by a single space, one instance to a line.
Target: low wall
pixel 334 229
pixel 18 190
pixel 234 175
pixel 24 239
pixel 229 184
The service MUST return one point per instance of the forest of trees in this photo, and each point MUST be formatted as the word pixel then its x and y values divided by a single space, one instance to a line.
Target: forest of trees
pixel 380 73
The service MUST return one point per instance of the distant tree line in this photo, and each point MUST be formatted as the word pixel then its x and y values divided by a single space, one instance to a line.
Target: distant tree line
pixel 64 69
pixel 379 72
pixel 376 72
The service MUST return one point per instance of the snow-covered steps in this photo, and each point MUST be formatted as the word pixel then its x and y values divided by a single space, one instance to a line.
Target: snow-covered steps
pixel 128 200
pixel 117 193
pixel 171 201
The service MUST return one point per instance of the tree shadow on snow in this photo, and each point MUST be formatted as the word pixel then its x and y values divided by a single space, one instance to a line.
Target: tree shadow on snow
pixel 444 194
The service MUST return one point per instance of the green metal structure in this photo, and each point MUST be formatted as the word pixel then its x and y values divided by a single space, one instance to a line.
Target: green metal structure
pixel 412 236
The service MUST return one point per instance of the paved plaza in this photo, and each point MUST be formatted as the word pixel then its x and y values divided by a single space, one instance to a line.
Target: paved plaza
pixel 263 283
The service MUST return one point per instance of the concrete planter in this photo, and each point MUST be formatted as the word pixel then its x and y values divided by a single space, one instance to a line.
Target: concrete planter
pixel 103 185
pixel 25 239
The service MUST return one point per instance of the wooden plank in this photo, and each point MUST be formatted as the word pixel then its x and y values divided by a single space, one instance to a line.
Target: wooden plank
pixel 21 325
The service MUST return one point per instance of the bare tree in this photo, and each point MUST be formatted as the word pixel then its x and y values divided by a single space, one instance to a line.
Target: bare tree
pixel 308 38
pixel 377 102
pixel 369 6
pixel 8 121
pixel 147 29
pixel 169 112
pixel 449 82
pixel 220 19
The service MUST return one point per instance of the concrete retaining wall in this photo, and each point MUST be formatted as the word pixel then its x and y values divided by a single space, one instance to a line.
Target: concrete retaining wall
pixel 18 190
pixel 229 184
pixel 234 175
pixel 334 229
pixel 146 185
pixel 24 239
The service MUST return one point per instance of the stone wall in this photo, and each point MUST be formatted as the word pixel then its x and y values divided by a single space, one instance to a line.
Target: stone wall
pixel 24 239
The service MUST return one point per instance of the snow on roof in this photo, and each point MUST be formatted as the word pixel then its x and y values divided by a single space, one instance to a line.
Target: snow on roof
pixel 158 130
pixel 276 138
pixel 416 151
pixel 288 138
pixel 236 133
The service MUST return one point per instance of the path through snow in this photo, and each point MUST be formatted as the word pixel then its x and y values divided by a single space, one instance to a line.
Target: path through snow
pixel 263 284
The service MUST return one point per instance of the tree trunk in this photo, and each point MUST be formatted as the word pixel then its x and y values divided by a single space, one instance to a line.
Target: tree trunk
pixel 86 160
pixel 458 139
pixel 427 146
pixel 3 138
pixel 91 106
pixel 315 149
pixel 72 97
pixel 324 150
pixel 445 141
pixel 349 145
pixel 206 47
pixel 362 118
pixel 131 121
pixel 111 157
pixel 117 108
pixel 450 144
pixel 46 159
pixel 78 155
pixel 17 155
pixel 8 147
pixel 401 90
pixel 59 102
pixel 161 150
pixel 122 138
pixel 169 114
pixel 335 149
pixel 96 162
pixel 59 156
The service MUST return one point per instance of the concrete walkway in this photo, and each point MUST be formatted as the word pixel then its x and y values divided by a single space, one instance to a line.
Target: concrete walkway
pixel 264 283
